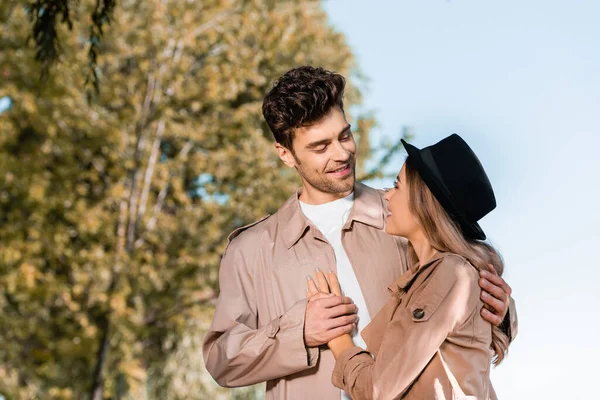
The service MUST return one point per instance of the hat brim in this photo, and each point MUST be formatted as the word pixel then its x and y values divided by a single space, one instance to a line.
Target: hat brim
pixel 441 193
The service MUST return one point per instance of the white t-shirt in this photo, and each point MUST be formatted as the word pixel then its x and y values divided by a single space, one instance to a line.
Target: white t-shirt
pixel 329 218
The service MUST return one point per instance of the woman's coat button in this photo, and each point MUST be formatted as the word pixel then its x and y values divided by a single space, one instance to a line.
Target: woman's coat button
pixel 418 313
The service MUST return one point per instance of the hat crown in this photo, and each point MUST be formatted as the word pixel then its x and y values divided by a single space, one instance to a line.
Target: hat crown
pixel 463 176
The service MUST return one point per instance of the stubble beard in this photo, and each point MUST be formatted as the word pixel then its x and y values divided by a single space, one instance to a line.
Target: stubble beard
pixel 325 184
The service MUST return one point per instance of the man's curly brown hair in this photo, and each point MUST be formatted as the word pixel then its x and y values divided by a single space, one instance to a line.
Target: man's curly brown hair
pixel 301 97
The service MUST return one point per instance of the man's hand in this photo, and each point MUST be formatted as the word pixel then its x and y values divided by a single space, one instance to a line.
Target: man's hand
pixel 338 344
pixel 495 293
pixel 327 317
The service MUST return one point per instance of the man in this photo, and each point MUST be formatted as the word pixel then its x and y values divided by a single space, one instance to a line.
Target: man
pixel 264 328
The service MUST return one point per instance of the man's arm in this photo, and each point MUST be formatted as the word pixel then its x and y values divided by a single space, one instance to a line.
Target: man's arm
pixel 239 353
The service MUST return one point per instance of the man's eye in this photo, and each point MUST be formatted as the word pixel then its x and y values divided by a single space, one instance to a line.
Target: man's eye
pixel 345 137
pixel 395 184
pixel 321 150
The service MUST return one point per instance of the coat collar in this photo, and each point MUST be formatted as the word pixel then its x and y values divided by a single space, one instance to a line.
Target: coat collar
pixel 368 208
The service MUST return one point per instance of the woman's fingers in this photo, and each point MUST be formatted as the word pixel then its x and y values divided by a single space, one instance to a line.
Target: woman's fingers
pixel 321 284
pixel 322 281
pixel 334 284
pixel 312 287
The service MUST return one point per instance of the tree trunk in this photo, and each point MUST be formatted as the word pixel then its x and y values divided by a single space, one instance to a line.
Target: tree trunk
pixel 98 385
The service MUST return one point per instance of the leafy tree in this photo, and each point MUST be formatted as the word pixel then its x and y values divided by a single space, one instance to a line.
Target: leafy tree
pixel 115 205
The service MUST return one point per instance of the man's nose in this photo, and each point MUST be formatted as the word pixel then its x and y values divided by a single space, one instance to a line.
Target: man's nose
pixel 341 153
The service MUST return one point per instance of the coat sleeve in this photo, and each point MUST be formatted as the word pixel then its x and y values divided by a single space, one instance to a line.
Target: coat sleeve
pixel 510 325
pixel 412 337
pixel 236 351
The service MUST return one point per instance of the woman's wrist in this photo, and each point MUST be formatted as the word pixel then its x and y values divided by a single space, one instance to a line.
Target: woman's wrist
pixel 340 344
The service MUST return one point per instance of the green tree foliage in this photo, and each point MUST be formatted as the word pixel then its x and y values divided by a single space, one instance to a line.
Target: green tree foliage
pixel 115 205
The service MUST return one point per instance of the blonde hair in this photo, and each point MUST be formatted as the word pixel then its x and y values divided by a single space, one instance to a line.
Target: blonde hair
pixel 445 235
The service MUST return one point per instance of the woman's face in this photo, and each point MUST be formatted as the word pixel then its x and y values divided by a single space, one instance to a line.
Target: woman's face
pixel 400 221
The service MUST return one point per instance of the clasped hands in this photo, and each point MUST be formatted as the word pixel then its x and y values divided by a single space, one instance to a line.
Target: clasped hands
pixel 329 315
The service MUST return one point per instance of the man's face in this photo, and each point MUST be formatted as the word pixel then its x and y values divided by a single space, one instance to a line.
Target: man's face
pixel 325 157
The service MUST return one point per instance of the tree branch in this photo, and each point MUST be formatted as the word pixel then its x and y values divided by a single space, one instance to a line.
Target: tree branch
pixel 150 168
pixel 179 308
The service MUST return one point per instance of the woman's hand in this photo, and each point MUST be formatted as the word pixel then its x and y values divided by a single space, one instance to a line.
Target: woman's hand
pixel 331 285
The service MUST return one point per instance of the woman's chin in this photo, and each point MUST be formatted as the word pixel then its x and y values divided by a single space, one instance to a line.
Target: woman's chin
pixel 390 230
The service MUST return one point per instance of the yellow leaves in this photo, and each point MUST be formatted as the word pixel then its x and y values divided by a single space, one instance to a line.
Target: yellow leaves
pixel 27 274
pixel 37 191
pixel 91 224
pixel 135 376
pixel 153 276
pixel 9 177
pixel 28 104
pixel 60 393
pixel 68 301
pixel 118 304
pixel 10 255
pixel 134 369
pixel 77 289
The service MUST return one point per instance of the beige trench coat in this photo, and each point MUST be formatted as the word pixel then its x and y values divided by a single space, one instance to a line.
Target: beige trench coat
pixel 429 341
pixel 257 330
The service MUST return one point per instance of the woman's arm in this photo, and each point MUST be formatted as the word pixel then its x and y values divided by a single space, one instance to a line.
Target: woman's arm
pixel 449 297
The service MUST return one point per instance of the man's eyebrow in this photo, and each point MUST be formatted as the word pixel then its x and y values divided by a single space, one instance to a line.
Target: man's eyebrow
pixel 347 127
pixel 318 143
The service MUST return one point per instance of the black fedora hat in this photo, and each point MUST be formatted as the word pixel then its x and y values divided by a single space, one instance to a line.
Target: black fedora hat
pixel 457 179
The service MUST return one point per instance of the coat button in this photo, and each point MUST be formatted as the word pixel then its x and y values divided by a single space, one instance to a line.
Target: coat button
pixel 418 313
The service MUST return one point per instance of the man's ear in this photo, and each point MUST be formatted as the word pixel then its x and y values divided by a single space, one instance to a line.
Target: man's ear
pixel 286 155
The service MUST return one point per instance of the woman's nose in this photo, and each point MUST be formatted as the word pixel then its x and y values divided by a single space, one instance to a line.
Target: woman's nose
pixel 388 194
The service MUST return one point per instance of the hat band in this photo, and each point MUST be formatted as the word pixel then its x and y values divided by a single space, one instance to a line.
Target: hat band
pixel 430 162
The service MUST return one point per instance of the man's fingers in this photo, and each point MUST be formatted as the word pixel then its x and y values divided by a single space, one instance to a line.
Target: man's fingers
pixel 321 295
pixel 493 289
pixel 342 320
pixel 312 287
pixel 492 318
pixel 333 301
pixel 493 302
pixel 323 285
pixel 334 284
pixel 342 309
pixel 340 330
pixel 496 280
pixel 492 269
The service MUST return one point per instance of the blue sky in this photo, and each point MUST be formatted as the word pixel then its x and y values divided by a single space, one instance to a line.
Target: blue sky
pixel 520 82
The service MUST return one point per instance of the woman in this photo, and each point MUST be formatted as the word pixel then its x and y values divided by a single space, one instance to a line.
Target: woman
pixel 429 341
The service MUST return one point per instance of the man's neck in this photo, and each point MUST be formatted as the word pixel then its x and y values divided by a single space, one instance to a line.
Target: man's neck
pixel 314 197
